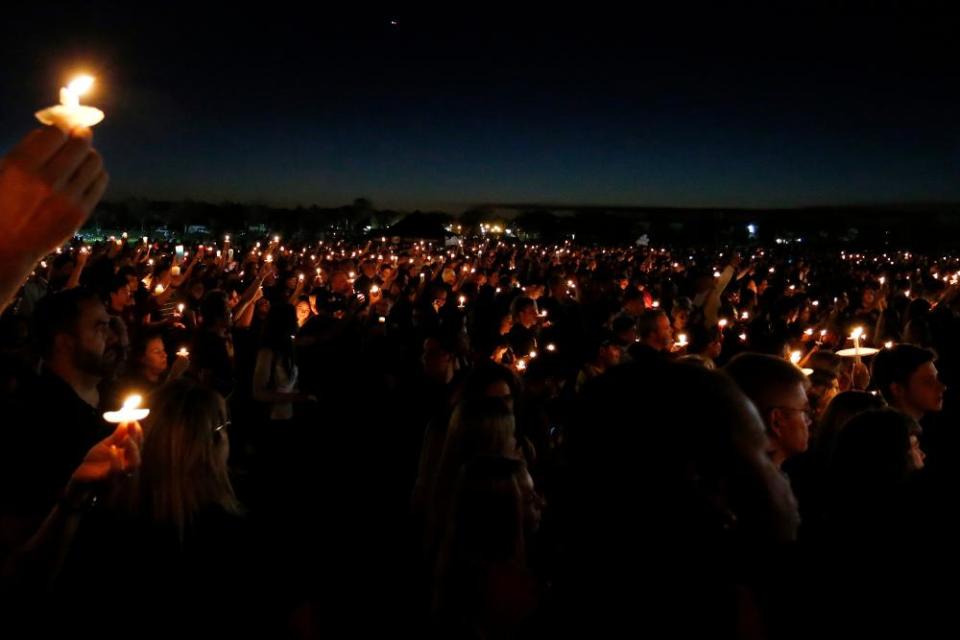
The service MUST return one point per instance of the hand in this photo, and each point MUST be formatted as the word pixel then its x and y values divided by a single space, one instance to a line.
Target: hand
pixel 82 256
pixel 49 184
pixel 117 454
pixel 861 376
pixel 179 367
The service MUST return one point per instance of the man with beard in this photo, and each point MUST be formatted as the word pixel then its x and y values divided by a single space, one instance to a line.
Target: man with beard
pixel 56 420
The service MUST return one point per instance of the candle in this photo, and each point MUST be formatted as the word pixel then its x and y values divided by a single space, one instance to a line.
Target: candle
pixel 815 303
pixel 521 365
pixel 745 315
pixel 180 308
pixel 533 354
pixel 682 340
pixel 882 280
pixel 183 353
pixel 551 347
pixel 855 336
pixel 70 114
pixel 808 332
pixel 722 323
pixel 269 258
pixel 888 344
pixel 743 337
pixel 300 277
pixel 276 239
pixel 382 320
pixel 656 304
pixel 352 275
pixel 374 290
pixel 796 356
pixel 463 300
pixel 130 412
pixel 158 289
pixel 226 238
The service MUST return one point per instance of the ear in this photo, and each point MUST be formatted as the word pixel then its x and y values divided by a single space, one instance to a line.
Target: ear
pixel 776 419
pixel 897 391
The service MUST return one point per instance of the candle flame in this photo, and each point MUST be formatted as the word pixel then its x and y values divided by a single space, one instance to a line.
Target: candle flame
pixel 795 357
pixel 132 401
pixel 857 333
pixel 80 85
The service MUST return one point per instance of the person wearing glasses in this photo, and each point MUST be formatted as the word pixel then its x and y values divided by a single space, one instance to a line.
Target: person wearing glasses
pixel 779 391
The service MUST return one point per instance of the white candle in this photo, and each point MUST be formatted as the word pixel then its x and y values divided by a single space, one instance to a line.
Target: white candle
pixel 70 114
pixel 130 412
pixel 682 340
pixel 183 353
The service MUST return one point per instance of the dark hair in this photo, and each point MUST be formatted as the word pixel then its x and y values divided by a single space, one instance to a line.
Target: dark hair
pixel 279 329
pixel 214 307
pixel 623 323
pixel 701 337
pixel 870 462
pixel 763 376
pixel 58 314
pixel 521 304
pixel 648 322
pixel 896 365
pixel 841 409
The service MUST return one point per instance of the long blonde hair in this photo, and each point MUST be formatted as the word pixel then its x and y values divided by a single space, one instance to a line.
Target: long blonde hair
pixel 184 469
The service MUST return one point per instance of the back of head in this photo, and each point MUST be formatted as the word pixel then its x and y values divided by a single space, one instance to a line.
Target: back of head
pixel 213 309
pixel 896 365
pixel 670 484
pixel 184 458
pixel 280 327
pixel 871 458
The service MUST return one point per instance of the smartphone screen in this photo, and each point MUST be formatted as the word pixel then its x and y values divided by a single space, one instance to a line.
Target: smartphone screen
pixel 179 252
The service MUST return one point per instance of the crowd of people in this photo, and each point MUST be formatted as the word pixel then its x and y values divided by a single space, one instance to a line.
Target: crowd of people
pixel 470 437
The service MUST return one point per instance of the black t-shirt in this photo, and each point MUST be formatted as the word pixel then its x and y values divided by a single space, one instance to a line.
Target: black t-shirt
pixel 49 433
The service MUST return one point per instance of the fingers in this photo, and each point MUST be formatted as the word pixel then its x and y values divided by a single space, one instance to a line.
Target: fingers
pixel 65 162
pixel 84 176
pixel 93 194
pixel 37 147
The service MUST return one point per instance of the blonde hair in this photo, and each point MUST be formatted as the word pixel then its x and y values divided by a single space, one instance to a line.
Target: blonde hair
pixel 183 469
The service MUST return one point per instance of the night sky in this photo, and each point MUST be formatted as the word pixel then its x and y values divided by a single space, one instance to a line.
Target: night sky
pixel 688 108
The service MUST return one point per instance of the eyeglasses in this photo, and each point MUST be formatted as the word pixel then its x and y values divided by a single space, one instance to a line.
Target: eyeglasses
pixel 806 411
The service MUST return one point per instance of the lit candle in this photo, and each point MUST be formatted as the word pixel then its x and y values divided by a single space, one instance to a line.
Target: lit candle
pixel 183 353
pixel 855 336
pixel 533 354
pixel 70 114
pixel 682 340
pixel 521 365
pixel 382 320
pixel 269 258
pixel 180 308
pixel 656 304
pixel 796 356
pixel 743 337
pixel 808 332
pixel 145 240
pixel 745 315
pixel 158 289
pixel 722 323
pixel 300 277
pixel 226 238
pixel 463 300
pixel 130 412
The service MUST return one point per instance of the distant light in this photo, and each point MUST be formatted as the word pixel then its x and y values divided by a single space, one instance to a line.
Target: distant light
pixel 751 229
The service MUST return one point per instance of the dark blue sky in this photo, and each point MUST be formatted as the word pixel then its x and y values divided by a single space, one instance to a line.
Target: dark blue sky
pixel 685 108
